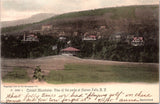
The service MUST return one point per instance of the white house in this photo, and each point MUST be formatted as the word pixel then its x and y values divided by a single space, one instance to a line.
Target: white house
pixel 30 38
pixel 137 41
pixel 62 38
pixel 90 37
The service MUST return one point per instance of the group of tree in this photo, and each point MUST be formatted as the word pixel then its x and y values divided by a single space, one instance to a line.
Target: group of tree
pixel 14 47
pixel 99 49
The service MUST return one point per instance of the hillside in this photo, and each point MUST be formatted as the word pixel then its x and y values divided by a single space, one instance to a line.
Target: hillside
pixel 128 34
pixel 90 19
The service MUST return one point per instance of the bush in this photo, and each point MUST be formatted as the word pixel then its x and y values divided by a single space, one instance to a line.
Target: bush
pixel 38 74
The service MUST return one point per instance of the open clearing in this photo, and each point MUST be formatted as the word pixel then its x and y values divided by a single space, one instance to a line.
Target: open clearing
pixel 80 70
pixel 92 73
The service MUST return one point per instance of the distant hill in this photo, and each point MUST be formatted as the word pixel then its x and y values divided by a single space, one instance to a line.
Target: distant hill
pixel 32 19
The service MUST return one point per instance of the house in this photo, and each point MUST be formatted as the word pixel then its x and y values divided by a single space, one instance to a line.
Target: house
pixel 102 27
pixel 69 51
pixel 62 33
pixel 46 27
pixel 137 41
pixel 117 37
pixel 54 47
pixel 90 37
pixel 62 38
pixel 30 38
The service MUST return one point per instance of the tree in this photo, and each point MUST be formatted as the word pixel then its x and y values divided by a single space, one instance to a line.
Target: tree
pixel 38 74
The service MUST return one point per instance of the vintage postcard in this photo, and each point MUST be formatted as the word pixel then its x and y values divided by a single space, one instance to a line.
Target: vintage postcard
pixel 79 51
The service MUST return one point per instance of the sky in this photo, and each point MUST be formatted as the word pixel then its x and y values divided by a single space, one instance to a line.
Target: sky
pixel 19 9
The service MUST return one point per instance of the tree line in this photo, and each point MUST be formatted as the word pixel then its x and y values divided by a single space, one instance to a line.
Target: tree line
pixel 13 47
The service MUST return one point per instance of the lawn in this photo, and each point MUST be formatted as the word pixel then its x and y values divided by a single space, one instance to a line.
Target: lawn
pixel 18 75
pixel 90 73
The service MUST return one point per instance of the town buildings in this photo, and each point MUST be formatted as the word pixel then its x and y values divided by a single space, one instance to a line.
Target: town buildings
pixel 30 38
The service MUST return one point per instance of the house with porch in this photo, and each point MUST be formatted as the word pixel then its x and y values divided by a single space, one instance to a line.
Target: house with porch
pixel 137 41
pixel 30 38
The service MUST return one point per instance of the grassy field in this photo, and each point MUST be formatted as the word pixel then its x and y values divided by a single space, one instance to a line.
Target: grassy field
pixel 17 75
pixel 90 73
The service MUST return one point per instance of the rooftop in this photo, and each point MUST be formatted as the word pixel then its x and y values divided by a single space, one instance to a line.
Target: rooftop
pixel 70 49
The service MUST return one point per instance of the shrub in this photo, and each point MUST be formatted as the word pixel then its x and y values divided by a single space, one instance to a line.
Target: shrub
pixel 38 74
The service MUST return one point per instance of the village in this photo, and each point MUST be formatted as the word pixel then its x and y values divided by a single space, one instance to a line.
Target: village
pixel 92 35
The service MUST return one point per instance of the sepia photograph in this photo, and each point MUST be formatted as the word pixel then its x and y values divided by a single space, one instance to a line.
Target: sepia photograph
pixel 73 51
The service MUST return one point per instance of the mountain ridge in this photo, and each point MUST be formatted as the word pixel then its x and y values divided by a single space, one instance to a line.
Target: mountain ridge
pixel 34 18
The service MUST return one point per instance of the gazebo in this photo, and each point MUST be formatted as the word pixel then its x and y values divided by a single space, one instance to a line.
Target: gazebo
pixel 70 51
